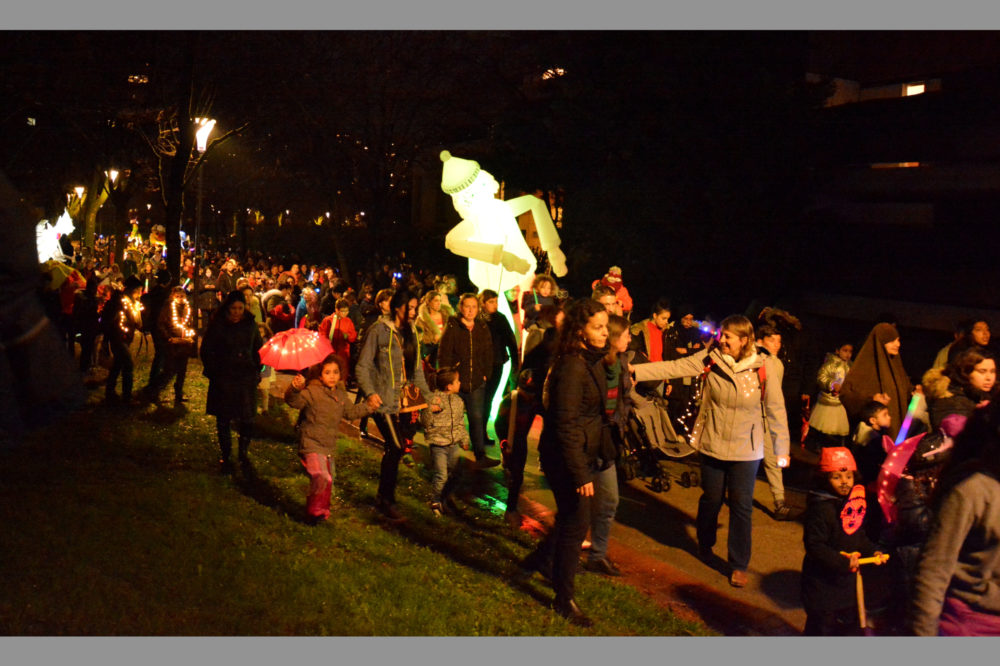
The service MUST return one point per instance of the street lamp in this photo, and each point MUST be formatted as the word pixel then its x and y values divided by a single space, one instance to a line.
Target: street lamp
pixel 205 126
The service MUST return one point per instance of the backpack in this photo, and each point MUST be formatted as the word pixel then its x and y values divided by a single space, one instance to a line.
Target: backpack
pixel 692 417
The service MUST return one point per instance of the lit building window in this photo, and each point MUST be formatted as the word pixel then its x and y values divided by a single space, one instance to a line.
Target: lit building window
pixel 553 73
pixel 31 122
pixel 138 78
pixel 914 89
pixel 895 165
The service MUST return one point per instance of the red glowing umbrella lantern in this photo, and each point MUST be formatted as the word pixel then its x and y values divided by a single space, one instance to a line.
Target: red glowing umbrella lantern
pixel 295 349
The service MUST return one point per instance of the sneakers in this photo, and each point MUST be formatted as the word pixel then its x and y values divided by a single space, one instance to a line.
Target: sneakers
pixel 437 509
pixel 738 578
pixel 781 511
pixel 603 566
pixel 485 463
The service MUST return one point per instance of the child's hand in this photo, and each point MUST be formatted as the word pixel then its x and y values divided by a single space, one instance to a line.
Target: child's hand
pixel 880 559
pixel 374 401
pixel 465 446
pixel 881 397
pixel 298 382
pixel 854 557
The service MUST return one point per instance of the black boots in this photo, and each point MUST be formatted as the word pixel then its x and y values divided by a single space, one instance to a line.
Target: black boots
pixel 569 610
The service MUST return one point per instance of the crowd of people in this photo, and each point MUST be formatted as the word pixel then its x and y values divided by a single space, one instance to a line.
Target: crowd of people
pixel 419 355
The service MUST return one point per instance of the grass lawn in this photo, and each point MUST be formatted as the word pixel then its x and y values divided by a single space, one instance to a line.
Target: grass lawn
pixel 119 523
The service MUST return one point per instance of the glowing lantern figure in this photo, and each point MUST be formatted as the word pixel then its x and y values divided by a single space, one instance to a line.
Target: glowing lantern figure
pixel 488 235
pixel 47 237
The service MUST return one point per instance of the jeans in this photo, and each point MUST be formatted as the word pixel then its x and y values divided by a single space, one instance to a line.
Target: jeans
pixel 474 401
pixel 159 357
pixel 739 477
pixel 122 365
pixel 602 512
pixel 444 461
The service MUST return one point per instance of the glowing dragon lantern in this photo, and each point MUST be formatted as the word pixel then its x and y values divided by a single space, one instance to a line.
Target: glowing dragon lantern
pixel 488 235
pixel 47 237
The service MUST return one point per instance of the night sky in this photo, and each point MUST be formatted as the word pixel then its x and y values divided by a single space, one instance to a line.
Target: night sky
pixel 702 162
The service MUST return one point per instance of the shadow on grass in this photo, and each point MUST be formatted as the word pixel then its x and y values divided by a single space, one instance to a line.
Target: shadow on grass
pixel 262 491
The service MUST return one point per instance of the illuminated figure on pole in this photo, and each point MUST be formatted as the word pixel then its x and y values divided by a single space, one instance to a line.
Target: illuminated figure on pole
pixel 47 237
pixel 488 235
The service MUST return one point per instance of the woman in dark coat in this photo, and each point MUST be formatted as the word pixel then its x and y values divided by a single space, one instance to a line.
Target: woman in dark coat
pixel 230 354
pixel 576 433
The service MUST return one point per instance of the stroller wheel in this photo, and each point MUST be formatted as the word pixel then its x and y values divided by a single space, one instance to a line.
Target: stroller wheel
pixel 694 478
pixel 656 483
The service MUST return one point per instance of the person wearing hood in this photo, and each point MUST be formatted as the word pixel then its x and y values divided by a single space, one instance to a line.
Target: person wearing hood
pixel 574 447
pixel 878 374
pixel 742 410
pixel 835 538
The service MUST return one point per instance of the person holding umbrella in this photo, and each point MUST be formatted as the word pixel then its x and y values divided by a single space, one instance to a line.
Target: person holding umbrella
pixel 231 359
pixel 388 362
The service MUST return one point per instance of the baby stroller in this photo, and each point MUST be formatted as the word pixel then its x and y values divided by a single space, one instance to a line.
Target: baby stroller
pixel 650 441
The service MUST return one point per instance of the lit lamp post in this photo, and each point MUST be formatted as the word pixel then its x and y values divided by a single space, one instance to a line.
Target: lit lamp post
pixel 205 126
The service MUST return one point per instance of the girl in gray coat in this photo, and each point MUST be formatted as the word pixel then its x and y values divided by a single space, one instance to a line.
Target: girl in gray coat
pixel 444 432
pixel 738 404
pixel 324 404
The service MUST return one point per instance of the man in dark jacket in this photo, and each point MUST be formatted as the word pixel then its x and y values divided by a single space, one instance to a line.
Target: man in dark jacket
pixel 467 346
pixel 152 303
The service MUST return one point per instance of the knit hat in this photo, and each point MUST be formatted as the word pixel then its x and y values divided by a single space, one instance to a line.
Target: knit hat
pixel 614 274
pixel 836 458
pixel 457 173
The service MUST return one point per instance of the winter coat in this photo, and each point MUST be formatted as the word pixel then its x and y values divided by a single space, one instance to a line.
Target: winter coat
pixel 833 371
pixel 342 335
pixel 322 410
pixel 730 423
pixel 380 370
pixel 230 356
pixel 208 294
pixel 175 334
pixel 945 397
pixel 961 558
pixel 827 580
pixel 502 336
pixel 575 431
pixel 447 426
pixel 470 350
pixel 118 320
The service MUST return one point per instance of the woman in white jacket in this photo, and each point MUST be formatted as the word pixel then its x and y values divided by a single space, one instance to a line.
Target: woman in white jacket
pixel 738 404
